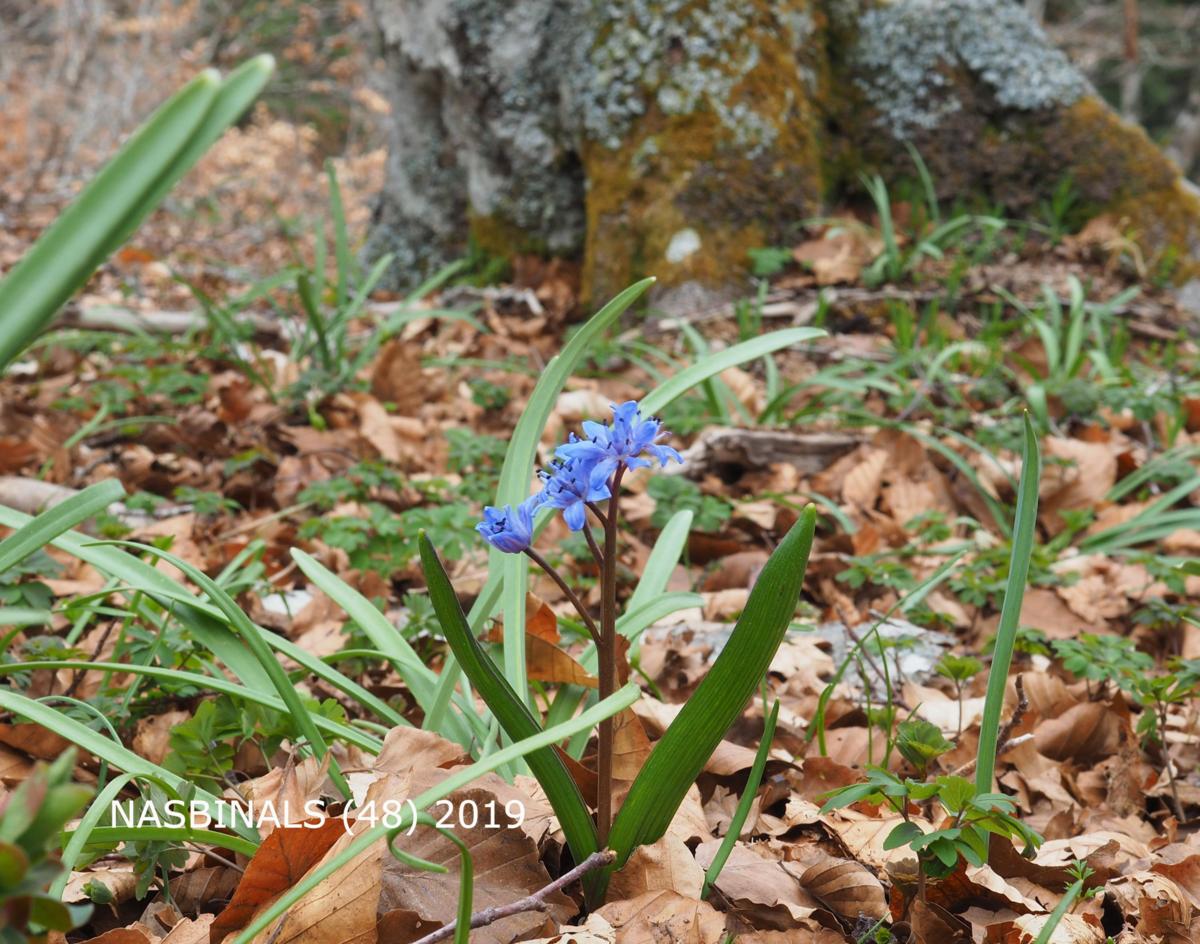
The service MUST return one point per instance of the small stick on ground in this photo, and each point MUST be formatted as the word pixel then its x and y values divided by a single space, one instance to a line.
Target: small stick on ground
pixel 1006 741
pixel 534 902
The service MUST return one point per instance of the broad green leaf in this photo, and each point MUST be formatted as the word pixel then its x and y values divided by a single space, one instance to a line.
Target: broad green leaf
pixel 509 709
pixel 686 745
pixel 902 835
pixel 1024 534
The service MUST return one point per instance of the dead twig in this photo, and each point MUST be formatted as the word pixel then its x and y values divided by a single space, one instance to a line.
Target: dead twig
pixel 534 902
pixel 1006 741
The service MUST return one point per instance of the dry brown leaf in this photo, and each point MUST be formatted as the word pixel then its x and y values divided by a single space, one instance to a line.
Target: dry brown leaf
pixel 280 862
pixel 135 934
pixel 1072 929
pixel 862 484
pixel 190 931
pixel 199 890
pixel 545 662
pixel 152 737
pixel 665 865
pixel 758 888
pixel 375 426
pixel 1084 733
pixel 540 620
pixel 846 888
pixel 507 868
pixel 121 882
pixel 664 918
pixel 1090 470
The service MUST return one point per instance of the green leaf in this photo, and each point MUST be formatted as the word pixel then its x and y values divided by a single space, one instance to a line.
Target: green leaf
pixel 43 529
pixel 747 800
pixel 920 741
pixel 686 745
pixel 902 835
pixel 1024 534
pixel 119 197
pixel 509 709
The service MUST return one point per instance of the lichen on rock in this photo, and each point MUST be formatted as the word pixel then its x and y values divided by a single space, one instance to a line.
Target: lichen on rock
pixel 909 52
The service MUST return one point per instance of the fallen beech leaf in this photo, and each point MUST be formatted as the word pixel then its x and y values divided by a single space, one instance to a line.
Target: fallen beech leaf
pixel 933 924
pixel 122 883
pixel 631 746
pixel 152 737
pixel 758 888
pixel 1084 733
pixel 664 918
pixel 198 890
pixel 846 888
pixel 506 863
pixel 135 934
pixel 189 931
pixel 545 662
pixel 1072 929
pixel 540 620
pixel 667 865
pixel 280 862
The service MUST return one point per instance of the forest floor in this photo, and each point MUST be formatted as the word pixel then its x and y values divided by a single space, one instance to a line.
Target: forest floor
pixel 192 370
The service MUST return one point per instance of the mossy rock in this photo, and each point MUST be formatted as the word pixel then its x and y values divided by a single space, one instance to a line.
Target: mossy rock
pixel 668 137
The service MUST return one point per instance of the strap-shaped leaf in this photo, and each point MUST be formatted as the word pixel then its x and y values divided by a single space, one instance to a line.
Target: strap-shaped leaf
pixel 686 745
pixel 510 710
pixel 62 258
pixel 120 196
pixel 1024 533
pixel 54 521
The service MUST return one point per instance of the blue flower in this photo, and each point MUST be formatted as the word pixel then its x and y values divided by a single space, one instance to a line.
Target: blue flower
pixel 623 442
pixel 570 484
pixel 507 529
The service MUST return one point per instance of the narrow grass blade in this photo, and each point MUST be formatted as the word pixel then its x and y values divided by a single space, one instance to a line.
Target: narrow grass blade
pixel 107 835
pixel 420 679
pixel 686 745
pixel 54 521
pixel 106 749
pixel 744 804
pixel 1024 534
pixel 508 708
pixel 253 637
pixel 210 683
pixel 713 364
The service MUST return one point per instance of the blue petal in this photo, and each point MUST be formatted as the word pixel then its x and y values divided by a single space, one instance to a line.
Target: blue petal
pixel 575 516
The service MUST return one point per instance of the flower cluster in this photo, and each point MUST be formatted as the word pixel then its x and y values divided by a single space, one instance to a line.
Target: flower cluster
pixel 582 472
